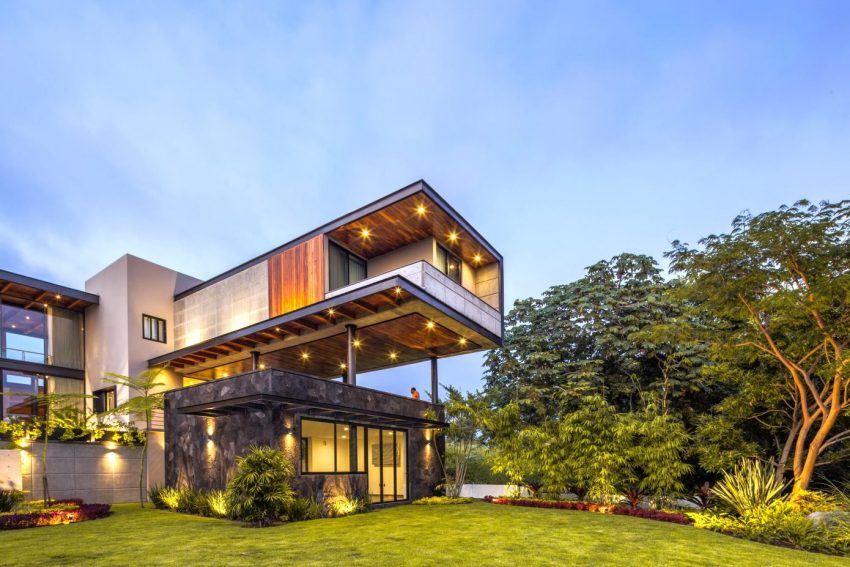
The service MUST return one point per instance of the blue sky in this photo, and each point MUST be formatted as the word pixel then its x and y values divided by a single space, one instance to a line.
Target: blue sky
pixel 566 132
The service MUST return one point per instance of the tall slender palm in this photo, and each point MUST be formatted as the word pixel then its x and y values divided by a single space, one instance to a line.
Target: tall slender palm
pixel 144 400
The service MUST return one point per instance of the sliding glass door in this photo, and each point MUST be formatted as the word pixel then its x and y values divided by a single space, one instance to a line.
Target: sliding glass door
pixel 387 468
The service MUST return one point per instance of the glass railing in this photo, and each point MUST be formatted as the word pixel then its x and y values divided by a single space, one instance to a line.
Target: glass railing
pixel 25 356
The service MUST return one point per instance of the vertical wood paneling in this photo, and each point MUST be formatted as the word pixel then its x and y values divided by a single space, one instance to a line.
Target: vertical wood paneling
pixel 297 277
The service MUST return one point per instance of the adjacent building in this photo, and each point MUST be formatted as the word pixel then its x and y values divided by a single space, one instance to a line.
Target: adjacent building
pixel 270 351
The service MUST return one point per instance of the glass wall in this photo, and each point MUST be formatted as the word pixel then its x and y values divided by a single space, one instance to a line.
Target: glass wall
pixel 344 268
pixel 342 448
pixel 45 335
pixel 329 447
pixel 21 388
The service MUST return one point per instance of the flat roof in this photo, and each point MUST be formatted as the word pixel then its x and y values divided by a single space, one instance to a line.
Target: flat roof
pixel 39 291
pixel 417 187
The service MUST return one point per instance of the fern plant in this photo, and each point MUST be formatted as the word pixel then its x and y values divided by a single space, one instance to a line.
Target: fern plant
pixel 750 487
pixel 259 492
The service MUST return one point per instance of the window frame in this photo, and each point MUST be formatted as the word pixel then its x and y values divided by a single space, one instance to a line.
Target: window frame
pixel 104 392
pixel 352 427
pixel 155 336
pixel 349 256
pixel 445 269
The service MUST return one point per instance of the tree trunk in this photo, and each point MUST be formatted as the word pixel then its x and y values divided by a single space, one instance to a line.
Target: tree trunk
pixel 144 466
pixel 804 477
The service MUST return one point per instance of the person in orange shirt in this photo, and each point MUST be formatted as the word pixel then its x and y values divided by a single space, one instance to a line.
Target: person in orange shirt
pixel 414 393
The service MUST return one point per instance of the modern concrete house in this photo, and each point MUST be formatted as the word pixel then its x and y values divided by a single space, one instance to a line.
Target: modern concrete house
pixel 270 351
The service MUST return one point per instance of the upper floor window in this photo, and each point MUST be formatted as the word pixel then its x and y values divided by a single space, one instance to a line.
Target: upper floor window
pixel 153 328
pixel 344 268
pixel 41 334
pixel 449 264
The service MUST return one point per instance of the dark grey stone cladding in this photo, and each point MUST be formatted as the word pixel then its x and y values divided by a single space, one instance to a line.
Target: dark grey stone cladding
pixel 265 407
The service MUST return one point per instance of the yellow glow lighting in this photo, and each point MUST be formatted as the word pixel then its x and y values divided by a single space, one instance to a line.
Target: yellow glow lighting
pixel 365 233
pixel 429 325
pixel 225 374
pixel 477 258
pixel 305 355
pixel 393 355
pixel 462 341
pixel 342 366
pixel 277 329
pixel 421 210
pixel 453 236
pixel 331 312
pixel 356 343
pixel 397 290
pixel 262 366
pixel 58 296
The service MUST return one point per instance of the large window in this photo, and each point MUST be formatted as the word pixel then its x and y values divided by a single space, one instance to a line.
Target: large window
pixel 449 264
pixel 332 447
pixel 153 328
pixel 44 335
pixel 344 268
pixel 21 388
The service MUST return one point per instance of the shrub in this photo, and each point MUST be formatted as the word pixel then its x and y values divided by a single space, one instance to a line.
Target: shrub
pixel 9 499
pixel 808 501
pixel 192 501
pixel 339 506
pixel 259 491
pixel 703 497
pixel 65 512
pixel 169 497
pixel 155 497
pixel 217 503
pixel 300 509
pixel 751 486
pixel 442 500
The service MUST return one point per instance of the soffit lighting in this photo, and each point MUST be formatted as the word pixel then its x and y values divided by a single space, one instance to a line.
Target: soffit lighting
pixel 365 233
pixel 393 355
pixel 477 259
pixel 305 355
pixel 429 325
pixel 331 312
pixel 462 341
pixel 421 210
pixel 453 236
pixel 356 343
pixel 397 290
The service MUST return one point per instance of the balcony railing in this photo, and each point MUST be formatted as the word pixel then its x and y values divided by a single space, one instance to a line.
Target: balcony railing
pixel 25 356
pixel 441 287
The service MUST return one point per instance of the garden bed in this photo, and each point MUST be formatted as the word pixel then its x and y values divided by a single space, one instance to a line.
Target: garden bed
pixel 32 515
pixel 657 515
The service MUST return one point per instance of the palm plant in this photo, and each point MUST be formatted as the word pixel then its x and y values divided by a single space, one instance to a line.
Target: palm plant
pixel 144 400
pixel 751 486
pixel 259 492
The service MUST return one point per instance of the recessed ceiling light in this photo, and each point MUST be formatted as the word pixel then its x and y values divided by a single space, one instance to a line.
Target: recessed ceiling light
pixel 393 355
pixel 429 325
pixel 365 232
pixel 356 343
pixel 453 236
pixel 421 210
pixel 477 258
pixel 305 355
pixel 462 341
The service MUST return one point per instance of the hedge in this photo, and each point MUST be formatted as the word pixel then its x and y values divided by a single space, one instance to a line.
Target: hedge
pixel 594 507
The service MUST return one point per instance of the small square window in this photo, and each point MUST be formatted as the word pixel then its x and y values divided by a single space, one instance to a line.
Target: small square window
pixel 153 329
pixel 104 400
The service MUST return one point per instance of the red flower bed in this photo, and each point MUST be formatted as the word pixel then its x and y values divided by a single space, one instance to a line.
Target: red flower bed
pixel 594 507
pixel 80 513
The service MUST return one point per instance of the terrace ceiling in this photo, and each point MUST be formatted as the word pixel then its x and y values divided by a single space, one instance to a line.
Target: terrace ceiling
pixel 407 221
pixel 29 292
pixel 397 323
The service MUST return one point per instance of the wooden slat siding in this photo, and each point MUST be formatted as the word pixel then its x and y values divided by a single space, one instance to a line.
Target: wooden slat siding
pixel 297 277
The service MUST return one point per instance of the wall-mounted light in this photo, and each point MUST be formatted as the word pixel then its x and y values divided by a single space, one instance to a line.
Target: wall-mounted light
pixel 288 430
pixel 110 445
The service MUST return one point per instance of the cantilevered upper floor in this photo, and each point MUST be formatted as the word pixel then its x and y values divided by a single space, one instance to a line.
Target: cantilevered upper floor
pixel 403 279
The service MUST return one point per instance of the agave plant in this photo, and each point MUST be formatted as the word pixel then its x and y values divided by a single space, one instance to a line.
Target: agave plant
pixel 751 486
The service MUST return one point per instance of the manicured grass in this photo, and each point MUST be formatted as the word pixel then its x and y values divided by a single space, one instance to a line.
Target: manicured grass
pixel 473 534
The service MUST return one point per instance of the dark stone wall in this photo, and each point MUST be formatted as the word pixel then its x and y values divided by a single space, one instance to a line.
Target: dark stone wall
pixel 202 451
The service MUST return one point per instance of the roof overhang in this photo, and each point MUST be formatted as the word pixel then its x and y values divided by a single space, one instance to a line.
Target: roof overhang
pixel 31 292
pixel 392 313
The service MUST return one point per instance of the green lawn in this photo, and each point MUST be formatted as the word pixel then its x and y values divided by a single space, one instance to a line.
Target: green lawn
pixel 468 534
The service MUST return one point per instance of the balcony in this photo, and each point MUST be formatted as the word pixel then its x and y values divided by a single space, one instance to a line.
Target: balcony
pixel 441 288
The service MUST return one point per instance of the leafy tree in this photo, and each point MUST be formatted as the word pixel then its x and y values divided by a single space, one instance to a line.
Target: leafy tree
pixel 779 283
pixel 465 415
pixel 145 398
pixel 614 333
